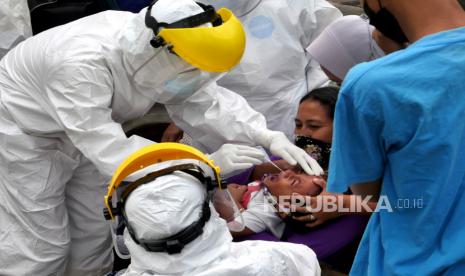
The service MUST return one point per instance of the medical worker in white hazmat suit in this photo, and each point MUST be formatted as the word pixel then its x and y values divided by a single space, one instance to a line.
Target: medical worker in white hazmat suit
pixel 151 209
pixel 275 71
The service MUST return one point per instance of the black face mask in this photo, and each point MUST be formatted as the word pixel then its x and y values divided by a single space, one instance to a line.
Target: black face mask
pixel 317 149
pixel 386 23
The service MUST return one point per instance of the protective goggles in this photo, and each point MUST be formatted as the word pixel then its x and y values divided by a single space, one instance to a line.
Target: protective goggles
pixel 155 154
pixel 212 49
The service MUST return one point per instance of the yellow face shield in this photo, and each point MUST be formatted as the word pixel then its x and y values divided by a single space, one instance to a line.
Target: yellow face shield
pixel 154 154
pixel 212 49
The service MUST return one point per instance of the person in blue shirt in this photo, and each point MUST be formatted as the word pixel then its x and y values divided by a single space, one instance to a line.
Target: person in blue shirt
pixel 399 134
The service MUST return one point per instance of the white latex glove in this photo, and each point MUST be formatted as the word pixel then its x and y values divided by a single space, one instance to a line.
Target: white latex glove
pixel 230 158
pixel 279 145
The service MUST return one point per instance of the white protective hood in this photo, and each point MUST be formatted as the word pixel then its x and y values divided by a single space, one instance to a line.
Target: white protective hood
pixel 171 203
pixel 161 209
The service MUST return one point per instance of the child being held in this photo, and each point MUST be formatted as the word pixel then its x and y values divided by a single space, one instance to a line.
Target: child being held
pixel 258 200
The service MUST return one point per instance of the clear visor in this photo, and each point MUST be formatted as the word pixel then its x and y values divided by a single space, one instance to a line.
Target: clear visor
pixel 227 209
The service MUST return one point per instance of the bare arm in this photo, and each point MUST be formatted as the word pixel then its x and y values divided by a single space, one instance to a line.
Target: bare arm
pixel 363 201
pixel 371 188
pixel 244 233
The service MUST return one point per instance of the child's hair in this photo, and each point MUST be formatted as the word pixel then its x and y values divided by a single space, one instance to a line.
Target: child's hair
pixel 326 96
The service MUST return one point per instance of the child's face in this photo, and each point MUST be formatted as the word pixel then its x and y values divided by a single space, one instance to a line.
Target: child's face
pixel 289 182
pixel 312 121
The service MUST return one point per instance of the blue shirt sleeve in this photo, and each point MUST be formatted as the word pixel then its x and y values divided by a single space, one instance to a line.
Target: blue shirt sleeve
pixel 357 154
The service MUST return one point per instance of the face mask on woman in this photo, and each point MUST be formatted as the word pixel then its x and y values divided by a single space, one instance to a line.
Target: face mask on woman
pixel 317 149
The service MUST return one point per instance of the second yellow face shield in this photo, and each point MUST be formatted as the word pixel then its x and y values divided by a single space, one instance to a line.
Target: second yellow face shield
pixel 155 154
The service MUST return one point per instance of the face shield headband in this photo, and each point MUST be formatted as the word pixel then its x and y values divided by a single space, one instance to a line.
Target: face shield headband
pixel 208 16
pixel 212 49
pixel 153 154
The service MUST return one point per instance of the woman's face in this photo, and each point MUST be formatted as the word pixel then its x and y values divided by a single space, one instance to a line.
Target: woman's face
pixel 313 121
pixel 289 182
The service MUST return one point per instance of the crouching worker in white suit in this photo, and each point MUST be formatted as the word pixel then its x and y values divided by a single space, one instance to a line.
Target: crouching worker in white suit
pixel 172 228
pixel 63 96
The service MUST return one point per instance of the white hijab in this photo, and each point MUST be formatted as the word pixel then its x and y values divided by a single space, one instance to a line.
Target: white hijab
pixel 344 44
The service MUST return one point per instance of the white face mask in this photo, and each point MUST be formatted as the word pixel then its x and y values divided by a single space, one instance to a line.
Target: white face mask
pixel 158 68
pixel 170 79
pixel 186 84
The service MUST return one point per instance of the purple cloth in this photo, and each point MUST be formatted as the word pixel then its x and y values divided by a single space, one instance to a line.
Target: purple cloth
pixel 331 237
pixel 325 240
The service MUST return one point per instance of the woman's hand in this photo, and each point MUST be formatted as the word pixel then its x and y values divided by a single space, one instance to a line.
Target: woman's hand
pixel 327 206
pixel 319 212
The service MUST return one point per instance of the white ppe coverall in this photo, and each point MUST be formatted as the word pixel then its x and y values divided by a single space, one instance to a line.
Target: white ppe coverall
pixel 276 71
pixel 169 204
pixel 63 96
pixel 15 24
